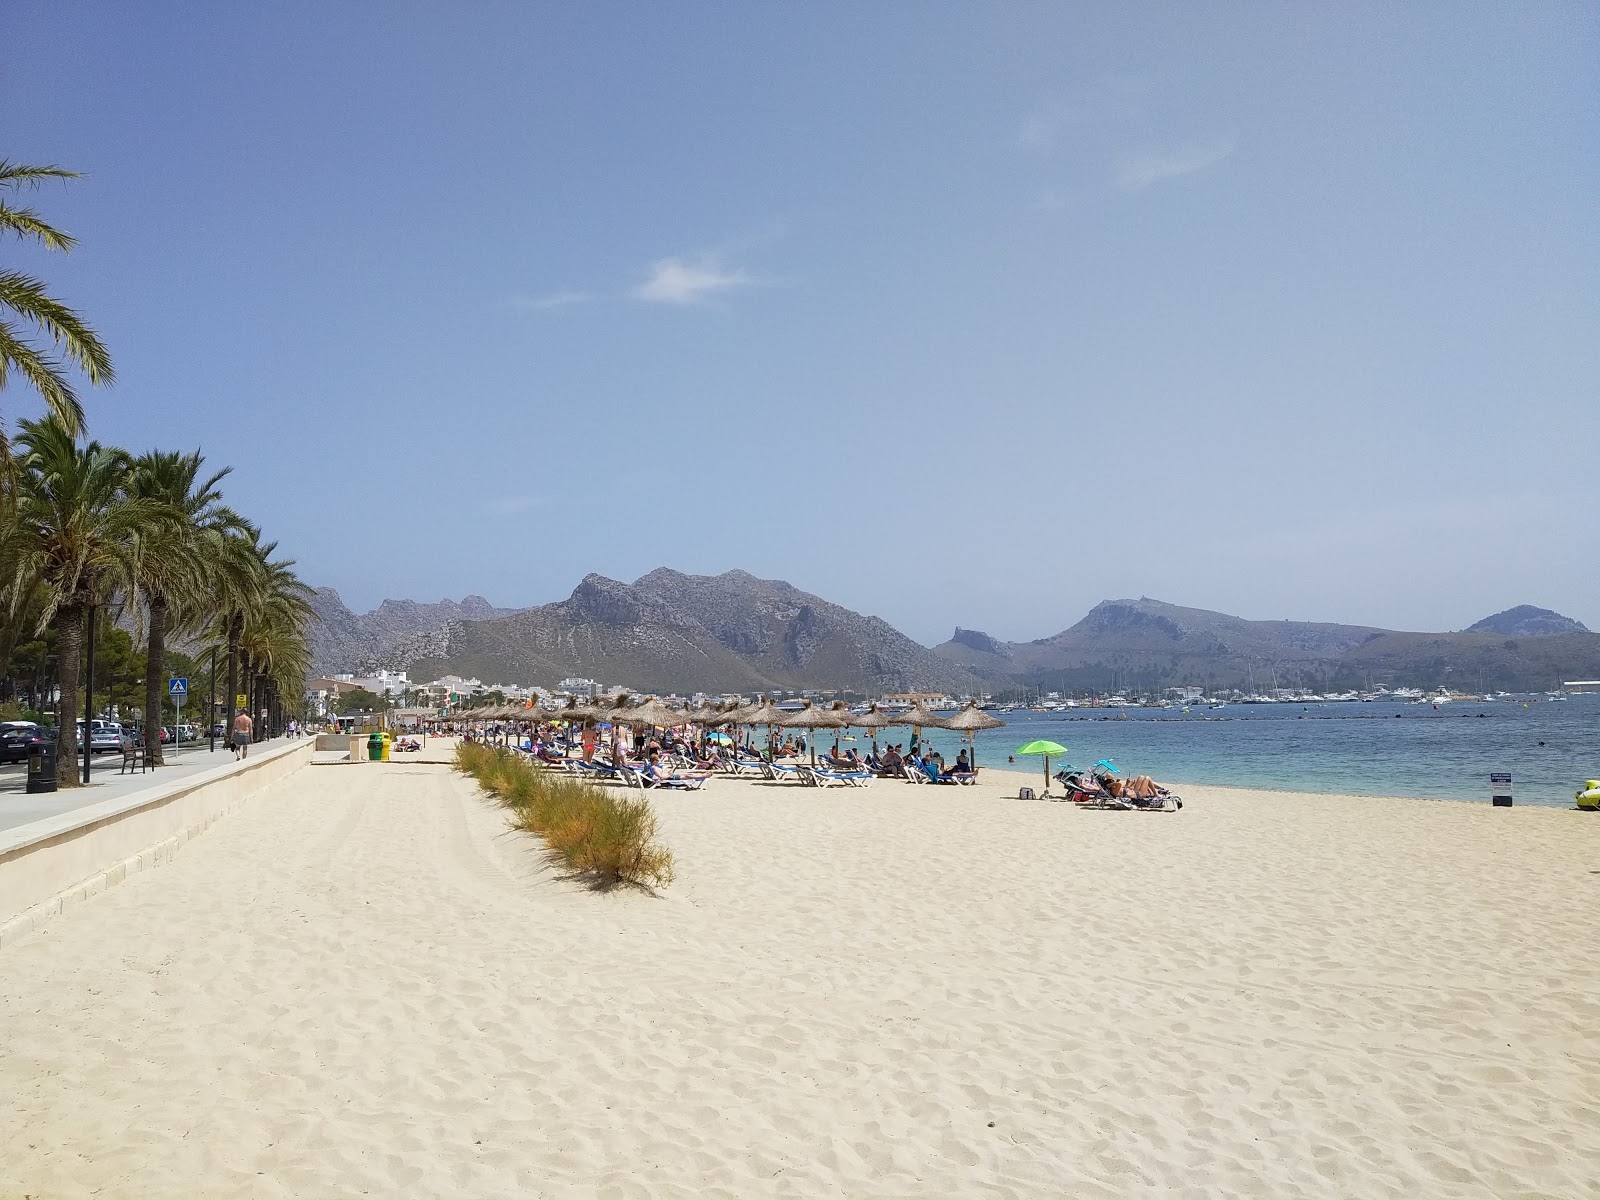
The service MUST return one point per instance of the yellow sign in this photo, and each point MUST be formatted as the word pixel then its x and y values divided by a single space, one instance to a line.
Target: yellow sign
pixel 241 701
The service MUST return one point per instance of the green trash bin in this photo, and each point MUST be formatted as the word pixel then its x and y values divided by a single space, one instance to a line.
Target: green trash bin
pixel 375 747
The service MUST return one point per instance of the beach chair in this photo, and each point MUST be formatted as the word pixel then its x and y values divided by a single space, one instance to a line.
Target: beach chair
pixel 689 783
pixel 827 778
pixel 914 773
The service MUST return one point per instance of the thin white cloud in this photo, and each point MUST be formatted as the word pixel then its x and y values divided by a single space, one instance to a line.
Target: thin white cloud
pixel 1137 171
pixel 1107 100
pixel 678 281
pixel 550 301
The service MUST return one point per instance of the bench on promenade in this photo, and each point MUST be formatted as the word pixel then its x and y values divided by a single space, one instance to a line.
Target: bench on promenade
pixel 133 756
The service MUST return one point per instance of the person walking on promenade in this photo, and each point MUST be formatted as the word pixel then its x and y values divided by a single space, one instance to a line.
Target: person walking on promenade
pixel 242 728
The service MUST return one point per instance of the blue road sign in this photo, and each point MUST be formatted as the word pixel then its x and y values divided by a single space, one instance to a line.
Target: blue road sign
pixel 178 687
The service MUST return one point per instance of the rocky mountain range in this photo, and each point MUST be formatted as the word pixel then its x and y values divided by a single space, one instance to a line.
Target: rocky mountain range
pixel 395 631
pixel 1146 644
pixel 668 631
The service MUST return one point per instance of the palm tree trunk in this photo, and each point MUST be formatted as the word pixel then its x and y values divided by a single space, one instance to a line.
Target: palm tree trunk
pixel 234 630
pixel 155 675
pixel 69 648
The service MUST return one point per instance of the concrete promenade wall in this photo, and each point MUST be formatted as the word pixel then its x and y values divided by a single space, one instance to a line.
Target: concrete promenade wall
pixel 48 865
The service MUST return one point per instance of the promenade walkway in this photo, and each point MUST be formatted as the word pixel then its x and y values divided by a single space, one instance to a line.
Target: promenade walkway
pixel 17 807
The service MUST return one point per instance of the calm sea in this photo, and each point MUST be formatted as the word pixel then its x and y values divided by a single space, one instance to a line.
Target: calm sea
pixel 1364 749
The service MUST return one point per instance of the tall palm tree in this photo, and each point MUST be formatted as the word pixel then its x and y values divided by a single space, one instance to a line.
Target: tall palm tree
pixel 170 570
pixel 27 310
pixel 75 530
pixel 273 636
pixel 236 571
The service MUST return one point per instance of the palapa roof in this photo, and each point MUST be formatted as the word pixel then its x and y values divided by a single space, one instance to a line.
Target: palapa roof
pixel 811 717
pixel 923 717
pixel 766 713
pixel 651 712
pixel 736 714
pixel 877 718
pixel 706 715
pixel 972 718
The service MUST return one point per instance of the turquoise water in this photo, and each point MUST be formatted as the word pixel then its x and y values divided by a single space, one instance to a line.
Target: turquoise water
pixel 1364 749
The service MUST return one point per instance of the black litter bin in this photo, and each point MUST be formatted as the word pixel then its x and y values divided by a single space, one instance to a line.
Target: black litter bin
pixel 42 767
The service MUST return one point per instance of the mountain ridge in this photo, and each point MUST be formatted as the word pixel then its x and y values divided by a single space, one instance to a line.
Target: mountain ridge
pixel 1150 644
pixel 669 631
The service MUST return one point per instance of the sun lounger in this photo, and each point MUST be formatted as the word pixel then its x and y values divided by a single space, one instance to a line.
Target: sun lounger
pixel 643 780
pixel 827 778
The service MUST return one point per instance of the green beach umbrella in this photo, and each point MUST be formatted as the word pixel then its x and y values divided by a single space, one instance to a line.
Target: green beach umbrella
pixel 1047 749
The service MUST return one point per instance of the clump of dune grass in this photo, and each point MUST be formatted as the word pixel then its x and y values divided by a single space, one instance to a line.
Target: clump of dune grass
pixel 610 838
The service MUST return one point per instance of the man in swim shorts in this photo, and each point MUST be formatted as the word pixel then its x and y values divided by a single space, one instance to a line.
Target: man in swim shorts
pixel 242 728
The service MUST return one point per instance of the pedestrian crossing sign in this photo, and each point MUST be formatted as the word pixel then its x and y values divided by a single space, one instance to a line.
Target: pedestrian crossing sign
pixel 178 687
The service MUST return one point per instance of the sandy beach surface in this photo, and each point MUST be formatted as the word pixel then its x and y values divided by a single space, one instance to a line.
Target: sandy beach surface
pixel 362 983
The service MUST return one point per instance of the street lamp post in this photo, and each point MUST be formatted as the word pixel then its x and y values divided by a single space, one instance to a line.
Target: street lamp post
pixel 211 712
pixel 88 701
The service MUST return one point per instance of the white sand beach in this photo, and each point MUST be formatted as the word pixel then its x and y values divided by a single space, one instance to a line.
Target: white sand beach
pixel 362 983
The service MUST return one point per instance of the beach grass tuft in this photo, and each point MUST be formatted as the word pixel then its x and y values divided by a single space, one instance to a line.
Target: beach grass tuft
pixel 609 838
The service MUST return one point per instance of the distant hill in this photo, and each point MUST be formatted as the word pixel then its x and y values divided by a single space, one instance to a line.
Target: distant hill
pixel 1527 621
pixel 1148 645
pixel 670 631
pixel 343 641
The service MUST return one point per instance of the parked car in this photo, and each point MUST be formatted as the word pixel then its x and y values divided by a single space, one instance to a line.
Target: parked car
pixel 104 737
pixel 15 738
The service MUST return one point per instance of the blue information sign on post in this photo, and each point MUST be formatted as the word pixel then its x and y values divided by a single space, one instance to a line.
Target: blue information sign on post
pixel 177 687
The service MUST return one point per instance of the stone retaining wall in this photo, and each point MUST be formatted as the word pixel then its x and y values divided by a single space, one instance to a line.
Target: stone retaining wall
pixel 52 864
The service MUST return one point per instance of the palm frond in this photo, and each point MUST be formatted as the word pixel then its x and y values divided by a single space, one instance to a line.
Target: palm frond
pixel 26 296
pixel 27 224
pixel 44 373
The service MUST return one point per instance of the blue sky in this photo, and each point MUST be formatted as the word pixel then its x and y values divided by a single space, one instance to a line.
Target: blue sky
pixel 956 314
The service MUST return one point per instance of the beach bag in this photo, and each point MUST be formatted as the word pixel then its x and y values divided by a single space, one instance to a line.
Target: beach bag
pixel 1025 794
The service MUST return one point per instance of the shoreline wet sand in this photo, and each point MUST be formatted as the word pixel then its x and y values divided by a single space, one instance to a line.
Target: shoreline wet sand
pixel 363 981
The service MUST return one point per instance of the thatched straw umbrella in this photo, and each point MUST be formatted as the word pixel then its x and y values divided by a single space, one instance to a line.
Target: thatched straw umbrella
pixel 920 716
pixel 768 714
pixel 875 719
pixel 735 715
pixel 968 721
pixel 813 719
pixel 654 713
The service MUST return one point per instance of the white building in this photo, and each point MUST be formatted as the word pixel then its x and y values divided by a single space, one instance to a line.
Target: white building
pixel 584 689
pixel 384 683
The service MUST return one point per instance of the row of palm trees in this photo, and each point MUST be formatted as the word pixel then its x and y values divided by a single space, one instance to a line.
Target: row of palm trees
pixel 85 526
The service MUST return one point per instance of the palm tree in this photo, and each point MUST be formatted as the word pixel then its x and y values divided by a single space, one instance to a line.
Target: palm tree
pixel 24 304
pixel 273 637
pixel 75 530
pixel 170 569
pixel 261 617
pixel 236 571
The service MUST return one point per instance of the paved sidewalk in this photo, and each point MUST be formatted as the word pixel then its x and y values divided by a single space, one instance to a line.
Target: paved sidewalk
pixel 19 808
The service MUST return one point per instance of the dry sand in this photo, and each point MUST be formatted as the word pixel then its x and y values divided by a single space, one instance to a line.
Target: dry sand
pixel 362 984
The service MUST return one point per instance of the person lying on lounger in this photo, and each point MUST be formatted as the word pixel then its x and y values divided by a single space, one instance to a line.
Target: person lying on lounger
pixel 661 773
